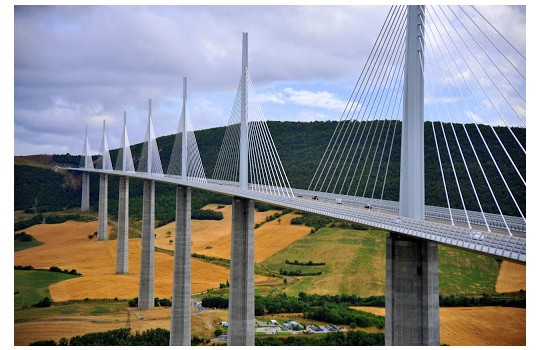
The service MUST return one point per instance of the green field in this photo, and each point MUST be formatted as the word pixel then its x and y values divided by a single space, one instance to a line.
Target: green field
pixel 94 307
pixel 464 272
pixel 25 245
pixel 31 286
pixel 355 264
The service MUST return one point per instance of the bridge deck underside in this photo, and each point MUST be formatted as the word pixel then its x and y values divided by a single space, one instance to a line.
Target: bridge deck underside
pixel 433 228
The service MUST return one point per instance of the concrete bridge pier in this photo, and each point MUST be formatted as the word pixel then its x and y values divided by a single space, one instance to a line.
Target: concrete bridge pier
pixel 181 297
pixel 123 226
pixel 412 292
pixel 85 188
pixel 241 330
pixel 146 280
pixel 102 211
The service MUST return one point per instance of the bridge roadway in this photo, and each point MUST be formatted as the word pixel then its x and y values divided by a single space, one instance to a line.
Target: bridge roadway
pixel 436 229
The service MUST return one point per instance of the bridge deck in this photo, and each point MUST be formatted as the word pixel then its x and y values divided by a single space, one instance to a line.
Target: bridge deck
pixel 434 229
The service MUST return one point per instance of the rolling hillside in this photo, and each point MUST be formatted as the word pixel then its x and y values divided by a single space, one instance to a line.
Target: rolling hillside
pixel 57 190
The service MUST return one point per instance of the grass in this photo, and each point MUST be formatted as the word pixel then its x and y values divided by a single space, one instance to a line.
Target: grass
pixel 25 245
pixel 31 286
pixel 355 264
pixel 73 308
pixel 464 272
pixel 350 258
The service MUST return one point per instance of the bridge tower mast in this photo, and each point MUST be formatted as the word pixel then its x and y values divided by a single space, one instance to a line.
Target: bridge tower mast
pixel 241 331
pixel 244 143
pixel 412 280
pixel 181 299
pixel 411 196
pixel 86 163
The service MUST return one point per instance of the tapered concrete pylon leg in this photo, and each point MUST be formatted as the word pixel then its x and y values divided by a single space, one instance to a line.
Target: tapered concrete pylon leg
pixel 102 211
pixel 241 330
pixel 412 292
pixel 146 281
pixel 122 262
pixel 181 297
pixel 85 189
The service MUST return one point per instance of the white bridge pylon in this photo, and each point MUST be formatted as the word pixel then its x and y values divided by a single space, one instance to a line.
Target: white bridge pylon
pixel 86 158
pixel 150 162
pixel 264 171
pixel 124 161
pixel 188 163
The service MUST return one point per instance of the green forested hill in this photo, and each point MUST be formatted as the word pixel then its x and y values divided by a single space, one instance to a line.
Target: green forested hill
pixel 301 146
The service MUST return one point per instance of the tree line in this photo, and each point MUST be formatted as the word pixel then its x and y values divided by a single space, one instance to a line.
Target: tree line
pixel 300 146
pixel 351 338
pixel 302 263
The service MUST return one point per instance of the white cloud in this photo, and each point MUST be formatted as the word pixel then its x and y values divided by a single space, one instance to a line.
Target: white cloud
pixel 275 97
pixel 474 117
pixel 102 60
pixel 320 99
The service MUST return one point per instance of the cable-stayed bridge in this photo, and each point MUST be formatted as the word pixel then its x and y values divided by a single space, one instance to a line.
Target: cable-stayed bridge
pixel 444 68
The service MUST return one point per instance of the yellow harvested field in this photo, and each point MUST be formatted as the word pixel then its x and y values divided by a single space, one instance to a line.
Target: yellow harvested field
pixel 213 238
pixel 205 233
pixel 512 277
pixel 67 326
pixel 68 247
pixel 273 236
pixel 28 332
pixel 270 238
pixel 477 326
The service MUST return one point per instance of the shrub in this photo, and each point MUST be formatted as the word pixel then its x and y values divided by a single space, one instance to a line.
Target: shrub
pixel 358 227
pixel 215 302
pixel 26 267
pixel 203 214
pixel 165 302
pixel 23 237
pixel 21 225
pixel 46 302
pixel 43 343
pixel 301 263
pixel 218 332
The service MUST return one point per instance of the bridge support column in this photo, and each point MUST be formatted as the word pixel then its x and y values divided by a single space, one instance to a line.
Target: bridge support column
pixel 181 297
pixel 85 188
pixel 241 330
pixel 146 280
pixel 412 292
pixel 123 226
pixel 102 211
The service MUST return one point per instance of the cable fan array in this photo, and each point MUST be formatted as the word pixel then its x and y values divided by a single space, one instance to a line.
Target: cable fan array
pixel 195 169
pixel 475 85
pixel 150 162
pixel 364 144
pixel 124 160
pixel 86 156
pixel 104 158
pixel 474 130
pixel 266 172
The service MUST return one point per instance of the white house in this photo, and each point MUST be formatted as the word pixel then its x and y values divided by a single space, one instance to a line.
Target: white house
pixel 293 325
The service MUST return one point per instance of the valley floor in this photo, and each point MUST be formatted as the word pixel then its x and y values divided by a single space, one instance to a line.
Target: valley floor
pixel 355 264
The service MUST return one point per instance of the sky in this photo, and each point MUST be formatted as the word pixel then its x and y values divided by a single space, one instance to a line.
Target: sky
pixel 73 66
pixel 78 65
